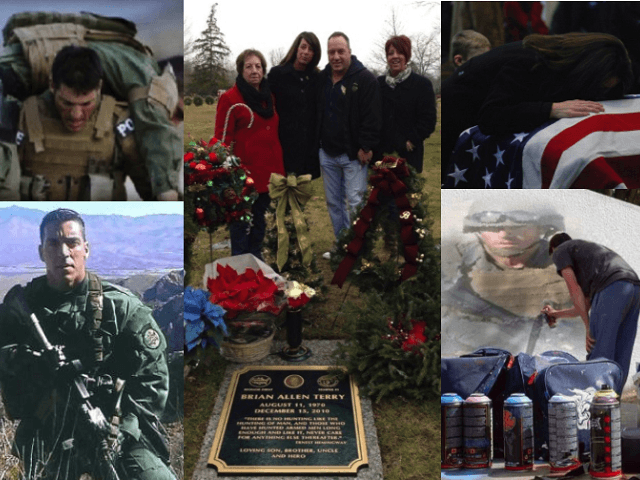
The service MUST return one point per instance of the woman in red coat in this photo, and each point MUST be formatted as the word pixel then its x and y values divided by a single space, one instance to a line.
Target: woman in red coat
pixel 257 146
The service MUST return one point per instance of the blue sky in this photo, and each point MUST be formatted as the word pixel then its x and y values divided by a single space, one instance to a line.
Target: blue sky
pixel 131 209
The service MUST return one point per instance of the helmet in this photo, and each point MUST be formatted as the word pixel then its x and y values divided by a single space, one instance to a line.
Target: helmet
pixel 494 213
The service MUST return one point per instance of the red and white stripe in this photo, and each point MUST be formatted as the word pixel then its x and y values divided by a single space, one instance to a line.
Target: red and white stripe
pixel 598 151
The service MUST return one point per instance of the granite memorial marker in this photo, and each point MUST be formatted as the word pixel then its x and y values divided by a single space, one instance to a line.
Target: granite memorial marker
pixel 290 420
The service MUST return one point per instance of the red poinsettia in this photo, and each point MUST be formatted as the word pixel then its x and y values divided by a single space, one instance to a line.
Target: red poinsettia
pixel 247 292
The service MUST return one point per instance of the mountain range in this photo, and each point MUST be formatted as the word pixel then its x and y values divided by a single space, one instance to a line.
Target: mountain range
pixel 118 243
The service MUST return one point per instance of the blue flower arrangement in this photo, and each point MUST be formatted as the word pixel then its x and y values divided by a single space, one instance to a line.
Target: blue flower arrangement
pixel 203 321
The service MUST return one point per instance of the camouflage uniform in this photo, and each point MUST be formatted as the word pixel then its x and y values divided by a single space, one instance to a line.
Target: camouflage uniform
pixel 130 74
pixel 487 304
pixel 134 350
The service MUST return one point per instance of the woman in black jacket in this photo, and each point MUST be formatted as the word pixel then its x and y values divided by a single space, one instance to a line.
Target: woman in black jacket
pixel 294 84
pixel 408 105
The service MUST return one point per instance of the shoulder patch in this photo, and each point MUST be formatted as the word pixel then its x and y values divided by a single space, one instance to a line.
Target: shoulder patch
pixel 125 127
pixel 151 338
pixel 19 137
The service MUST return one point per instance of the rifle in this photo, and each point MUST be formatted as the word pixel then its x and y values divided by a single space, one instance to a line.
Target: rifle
pixel 91 416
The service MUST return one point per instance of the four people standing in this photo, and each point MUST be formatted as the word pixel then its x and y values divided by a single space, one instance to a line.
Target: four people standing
pixel 332 121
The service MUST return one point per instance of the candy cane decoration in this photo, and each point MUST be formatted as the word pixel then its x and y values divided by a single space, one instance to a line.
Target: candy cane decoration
pixel 226 122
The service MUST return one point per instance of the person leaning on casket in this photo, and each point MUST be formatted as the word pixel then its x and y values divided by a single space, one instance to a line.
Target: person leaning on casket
pixel 520 86
pixel 605 291
pixel 75 143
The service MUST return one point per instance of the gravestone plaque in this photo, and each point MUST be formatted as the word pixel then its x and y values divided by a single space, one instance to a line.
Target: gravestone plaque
pixel 290 420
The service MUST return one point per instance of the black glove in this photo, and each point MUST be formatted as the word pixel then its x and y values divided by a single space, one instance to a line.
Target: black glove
pixel 20 360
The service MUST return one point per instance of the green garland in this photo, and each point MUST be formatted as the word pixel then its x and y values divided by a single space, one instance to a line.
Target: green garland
pixel 375 356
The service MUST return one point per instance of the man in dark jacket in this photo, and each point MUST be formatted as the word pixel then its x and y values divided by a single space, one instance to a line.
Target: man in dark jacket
pixel 349 123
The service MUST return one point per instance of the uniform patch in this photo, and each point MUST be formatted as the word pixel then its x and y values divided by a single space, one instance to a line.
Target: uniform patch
pixel 151 338
pixel 19 137
pixel 125 128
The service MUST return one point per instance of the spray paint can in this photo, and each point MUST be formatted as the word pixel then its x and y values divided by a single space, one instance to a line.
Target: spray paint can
pixel 563 434
pixel 478 431
pixel 606 439
pixel 517 417
pixel 451 431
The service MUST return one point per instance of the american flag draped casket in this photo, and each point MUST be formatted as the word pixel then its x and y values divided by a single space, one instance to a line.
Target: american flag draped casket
pixel 598 151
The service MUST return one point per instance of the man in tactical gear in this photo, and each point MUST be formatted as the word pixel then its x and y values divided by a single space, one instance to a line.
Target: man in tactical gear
pixel 94 409
pixel 73 142
pixel 496 280
pixel 131 74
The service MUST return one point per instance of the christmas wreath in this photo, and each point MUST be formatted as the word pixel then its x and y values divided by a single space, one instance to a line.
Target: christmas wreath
pixel 222 190
pixel 396 183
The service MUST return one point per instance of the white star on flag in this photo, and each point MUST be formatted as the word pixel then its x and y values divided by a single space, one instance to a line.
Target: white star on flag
pixel 487 178
pixel 509 180
pixel 519 137
pixel 467 131
pixel 498 156
pixel 458 175
pixel 474 151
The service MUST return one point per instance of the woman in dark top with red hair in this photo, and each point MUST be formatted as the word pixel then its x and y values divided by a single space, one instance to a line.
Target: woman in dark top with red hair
pixel 408 105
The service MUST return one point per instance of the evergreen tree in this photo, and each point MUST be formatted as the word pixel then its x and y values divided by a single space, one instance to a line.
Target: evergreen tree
pixel 211 53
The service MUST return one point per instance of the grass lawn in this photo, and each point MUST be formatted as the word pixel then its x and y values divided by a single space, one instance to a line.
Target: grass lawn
pixel 407 430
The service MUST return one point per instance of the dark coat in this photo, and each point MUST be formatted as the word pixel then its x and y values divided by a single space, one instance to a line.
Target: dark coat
pixel 408 113
pixel 363 106
pixel 295 95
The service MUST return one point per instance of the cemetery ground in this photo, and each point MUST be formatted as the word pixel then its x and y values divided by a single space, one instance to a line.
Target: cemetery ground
pixel 407 429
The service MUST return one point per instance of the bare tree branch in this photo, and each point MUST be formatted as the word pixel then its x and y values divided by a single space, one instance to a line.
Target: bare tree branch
pixel 276 55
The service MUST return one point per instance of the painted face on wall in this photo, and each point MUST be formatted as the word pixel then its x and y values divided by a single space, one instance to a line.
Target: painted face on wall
pixel 510 241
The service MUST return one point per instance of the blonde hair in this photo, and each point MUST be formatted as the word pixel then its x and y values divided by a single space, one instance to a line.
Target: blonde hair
pixel 468 44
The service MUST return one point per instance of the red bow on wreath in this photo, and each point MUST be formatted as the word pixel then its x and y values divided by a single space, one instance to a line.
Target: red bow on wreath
pixel 387 178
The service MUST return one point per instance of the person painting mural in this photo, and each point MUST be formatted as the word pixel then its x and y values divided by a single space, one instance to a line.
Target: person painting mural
pixel 605 292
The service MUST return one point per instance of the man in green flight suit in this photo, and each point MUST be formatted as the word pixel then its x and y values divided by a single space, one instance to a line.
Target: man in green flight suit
pixel 131 74
pixel 110 338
